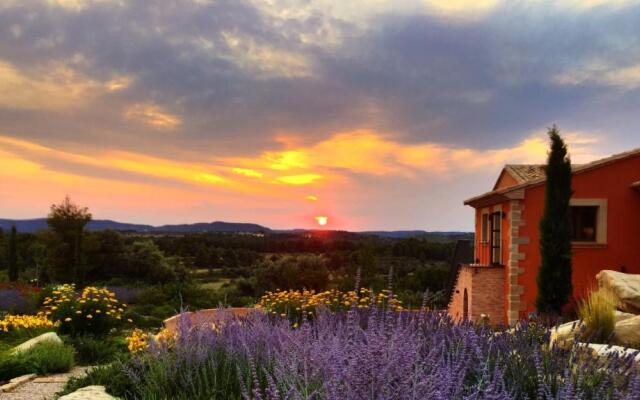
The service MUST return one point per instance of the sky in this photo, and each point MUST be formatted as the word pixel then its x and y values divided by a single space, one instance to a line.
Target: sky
pixel 373 114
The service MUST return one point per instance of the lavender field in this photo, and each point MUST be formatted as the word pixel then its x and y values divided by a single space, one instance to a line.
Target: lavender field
pixel 364 354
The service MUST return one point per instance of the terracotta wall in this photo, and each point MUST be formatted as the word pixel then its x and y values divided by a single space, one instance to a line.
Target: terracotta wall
pixel 622 250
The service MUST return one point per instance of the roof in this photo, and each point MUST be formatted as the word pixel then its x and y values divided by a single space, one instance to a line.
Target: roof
pixel 530 176
pixel 525 172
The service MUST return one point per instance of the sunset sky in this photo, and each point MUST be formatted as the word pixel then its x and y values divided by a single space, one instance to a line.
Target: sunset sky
pixel 374 114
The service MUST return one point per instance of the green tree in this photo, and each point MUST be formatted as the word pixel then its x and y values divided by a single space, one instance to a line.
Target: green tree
pixel 67 220
pixel 13 255
pixel 3 250
pixel 554 276
pixel 146 262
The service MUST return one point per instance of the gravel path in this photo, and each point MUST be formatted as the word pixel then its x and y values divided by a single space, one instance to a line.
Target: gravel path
pixel 43 387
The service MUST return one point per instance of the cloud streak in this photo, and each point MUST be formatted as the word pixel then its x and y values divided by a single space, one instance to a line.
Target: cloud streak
pixel 363 104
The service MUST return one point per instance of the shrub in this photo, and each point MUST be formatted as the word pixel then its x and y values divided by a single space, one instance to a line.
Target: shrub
pixel 294 303
pixel 113 376
pixel 597 312
pixel 371 353
pixel 91 350
pixel 43 358
pixel 13 323
pixel 18 298
pixel 95 311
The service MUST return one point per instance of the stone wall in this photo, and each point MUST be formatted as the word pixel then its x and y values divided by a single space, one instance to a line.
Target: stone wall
pixel 485 289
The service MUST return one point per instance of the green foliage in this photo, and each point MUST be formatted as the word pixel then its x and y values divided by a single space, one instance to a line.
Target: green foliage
pixel 292 272
pixel 95 311
pixel 597 312
pixel 43 358
pixel 554 276
pixel 112 376
pixel 145 261
pixel 94 351
pixel 13 255
pixel 67 221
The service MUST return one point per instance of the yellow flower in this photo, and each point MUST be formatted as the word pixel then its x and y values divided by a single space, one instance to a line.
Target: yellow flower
pixel 89 316
pixel 67 319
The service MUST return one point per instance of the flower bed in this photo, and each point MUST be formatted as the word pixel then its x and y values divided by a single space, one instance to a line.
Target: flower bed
pixel 367 353
pixel 94 311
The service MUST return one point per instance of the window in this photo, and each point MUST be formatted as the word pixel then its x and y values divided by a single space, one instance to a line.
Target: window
pixel 584 223
pixel 484 237
pixel 496 238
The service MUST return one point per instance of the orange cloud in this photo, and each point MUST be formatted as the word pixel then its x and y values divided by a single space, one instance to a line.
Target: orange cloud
pixel 34 175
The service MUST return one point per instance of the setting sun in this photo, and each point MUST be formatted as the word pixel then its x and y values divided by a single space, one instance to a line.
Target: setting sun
pixel 322 220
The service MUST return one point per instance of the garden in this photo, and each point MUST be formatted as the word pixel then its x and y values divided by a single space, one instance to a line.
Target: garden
pixel 358 344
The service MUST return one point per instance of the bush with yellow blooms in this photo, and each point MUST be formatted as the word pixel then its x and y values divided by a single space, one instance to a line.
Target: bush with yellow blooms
pixel 139 340
pixel 93 311
pixel 293 304
pixel 12 323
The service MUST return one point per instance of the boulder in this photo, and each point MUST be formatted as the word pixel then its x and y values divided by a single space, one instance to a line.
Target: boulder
pixel 564 335
pixel 94 392
pixel 626 287
pixel 606 350
pixel 45 337
pixel 621 316
pixel 627 331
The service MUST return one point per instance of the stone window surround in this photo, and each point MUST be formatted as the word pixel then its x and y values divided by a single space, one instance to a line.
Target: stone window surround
pixel 601 220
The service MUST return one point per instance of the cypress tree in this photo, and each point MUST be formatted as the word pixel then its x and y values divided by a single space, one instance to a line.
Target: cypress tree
pixel 554 276
pixel 13 255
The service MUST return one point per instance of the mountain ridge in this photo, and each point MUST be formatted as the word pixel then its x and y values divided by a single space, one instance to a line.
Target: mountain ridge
pixel 36 224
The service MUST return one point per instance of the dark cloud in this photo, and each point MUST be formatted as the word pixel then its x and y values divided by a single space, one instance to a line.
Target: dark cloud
pixel 481 82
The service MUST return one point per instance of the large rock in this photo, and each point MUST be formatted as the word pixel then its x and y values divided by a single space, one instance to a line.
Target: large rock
pixel 627 331
pixel 605 350
pixel 621 316
pixel 564 335
pixel 94 392
pixel 45 337
pixel 626 287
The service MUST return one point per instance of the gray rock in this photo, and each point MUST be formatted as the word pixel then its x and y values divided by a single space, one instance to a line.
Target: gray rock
pixel 45 337
pixel 94 392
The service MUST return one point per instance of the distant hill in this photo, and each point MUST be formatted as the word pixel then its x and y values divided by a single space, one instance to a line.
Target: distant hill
pixel 33 225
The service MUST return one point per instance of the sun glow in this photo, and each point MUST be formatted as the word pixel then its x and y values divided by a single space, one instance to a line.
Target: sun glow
pixel 322 220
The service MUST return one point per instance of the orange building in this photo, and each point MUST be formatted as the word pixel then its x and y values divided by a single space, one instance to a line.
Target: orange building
pixel 605 213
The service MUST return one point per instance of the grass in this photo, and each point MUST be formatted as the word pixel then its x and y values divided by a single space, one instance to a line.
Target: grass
pixel 42 359
pixel 215 285
pixel 597 312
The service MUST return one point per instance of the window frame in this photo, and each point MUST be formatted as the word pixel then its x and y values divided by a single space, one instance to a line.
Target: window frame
pixel 484 226
pixel 601 220
pixel 495 231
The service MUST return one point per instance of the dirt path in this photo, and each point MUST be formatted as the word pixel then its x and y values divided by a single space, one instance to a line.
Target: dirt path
pixel 43 387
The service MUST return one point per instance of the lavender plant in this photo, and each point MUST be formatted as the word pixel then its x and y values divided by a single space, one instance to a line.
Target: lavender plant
pixel 372 354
